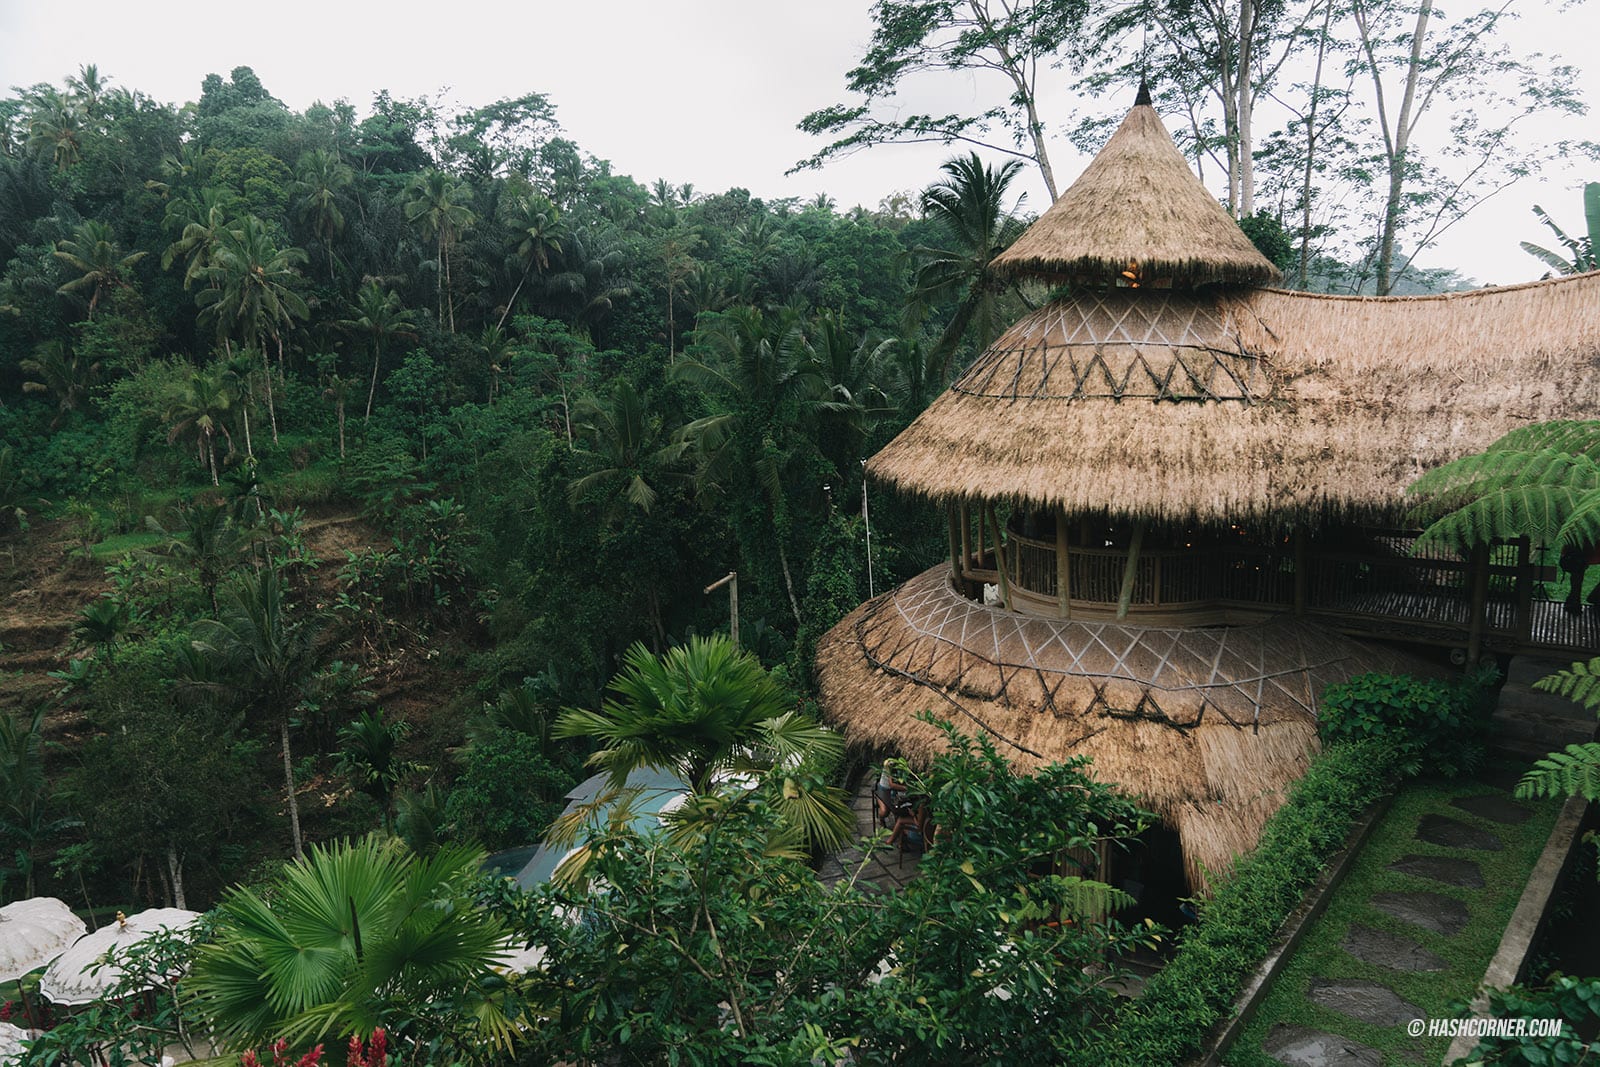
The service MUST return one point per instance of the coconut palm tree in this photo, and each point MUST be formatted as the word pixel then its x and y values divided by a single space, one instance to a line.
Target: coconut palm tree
pixel 969 205
pixel 199 409
pixel 199 220
pixel 382 317
pixel 266 659
pixel 437 204
pixel 538 230
pixel 253 296
pixel 369 756
pixel 706 710
pixel 55 128
pixel 59 370
pixel 351 937
pixel 626 448
pixel 320 180
pixel 94 253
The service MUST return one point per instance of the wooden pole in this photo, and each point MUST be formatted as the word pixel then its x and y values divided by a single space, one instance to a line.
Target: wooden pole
pixel 1524 625
pixel 955 545
pixel 1480 596
pixel 966 537
pixel 1299 569
pixel 1063 569
pixel 1130 571
pixel 731 580
pixel 999 557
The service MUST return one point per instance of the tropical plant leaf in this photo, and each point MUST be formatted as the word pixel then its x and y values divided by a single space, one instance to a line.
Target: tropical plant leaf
pixel 1580 683
pixel 1575 772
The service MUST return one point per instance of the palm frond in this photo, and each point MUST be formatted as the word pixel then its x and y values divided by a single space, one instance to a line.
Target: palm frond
pixel 1538 512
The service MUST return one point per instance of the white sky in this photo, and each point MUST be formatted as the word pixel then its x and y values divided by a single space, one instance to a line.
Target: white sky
pixel 701 91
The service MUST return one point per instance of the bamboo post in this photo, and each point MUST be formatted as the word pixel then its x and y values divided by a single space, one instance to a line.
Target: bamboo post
pixel 966 537
pixel 1130 571
pixel 731 580
pixel 1524 624
pixel 1480 595
pixel 1299 569
pixel 955 545
pixel 1063 569
pixel 983 559
pixel 999 556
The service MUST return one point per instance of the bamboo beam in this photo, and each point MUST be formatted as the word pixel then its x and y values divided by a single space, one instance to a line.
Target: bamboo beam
pixel 1063 569
pixel 1130 571
pixel 1480 596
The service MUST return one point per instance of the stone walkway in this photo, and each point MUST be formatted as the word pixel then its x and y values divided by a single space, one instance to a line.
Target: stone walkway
pixel 1373 1002
pixel 888 868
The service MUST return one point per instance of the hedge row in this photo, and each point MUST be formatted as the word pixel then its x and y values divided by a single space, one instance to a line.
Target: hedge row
pixel 1240 924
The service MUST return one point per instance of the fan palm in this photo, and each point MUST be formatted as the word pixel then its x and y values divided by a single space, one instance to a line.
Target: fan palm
pixel 351 937
pixel 705 710
pixel 94 253
pixel 969 205
pixel 437 204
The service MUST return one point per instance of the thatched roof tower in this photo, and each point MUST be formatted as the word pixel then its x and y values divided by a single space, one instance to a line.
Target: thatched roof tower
pixel 1167 388
pixel 1138 208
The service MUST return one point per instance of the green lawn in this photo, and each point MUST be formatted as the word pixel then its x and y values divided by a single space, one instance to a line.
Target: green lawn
pixel 1468 953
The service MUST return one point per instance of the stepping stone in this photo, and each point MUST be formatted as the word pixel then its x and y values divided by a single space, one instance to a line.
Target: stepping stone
pixel 1461 873
pixel 1365 1001
pixel 1384 949
pixel 1493 807
pixel 1431 911
pixel 1443 830
pixel 1301 1046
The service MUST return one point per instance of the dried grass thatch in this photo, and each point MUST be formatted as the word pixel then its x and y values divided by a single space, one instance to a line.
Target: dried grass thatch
pixel 1137 202
pixel 1206 726
pixel 1249 404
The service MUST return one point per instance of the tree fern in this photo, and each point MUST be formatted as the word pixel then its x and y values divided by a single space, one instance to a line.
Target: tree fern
pixel 1575 772
pixel 1580 683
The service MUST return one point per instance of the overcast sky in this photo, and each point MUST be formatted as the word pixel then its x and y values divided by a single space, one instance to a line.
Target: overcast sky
pixel 701 91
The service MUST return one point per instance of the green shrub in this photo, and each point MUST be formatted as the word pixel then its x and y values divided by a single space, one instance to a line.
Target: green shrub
pixel 1239 924
pixel 1434 725
pixel 508 792
pixel 1576 1001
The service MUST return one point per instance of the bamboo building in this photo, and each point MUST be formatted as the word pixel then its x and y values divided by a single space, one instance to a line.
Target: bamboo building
pixel 1172 498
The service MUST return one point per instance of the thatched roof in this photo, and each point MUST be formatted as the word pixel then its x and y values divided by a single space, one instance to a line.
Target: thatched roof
pixel 1250 403
pixel 1137 202
pixel 1206 726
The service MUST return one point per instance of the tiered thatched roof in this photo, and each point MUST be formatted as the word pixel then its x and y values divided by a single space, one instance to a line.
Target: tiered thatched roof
pixel 1138 207
pixel 1206 726
pixel 1234 405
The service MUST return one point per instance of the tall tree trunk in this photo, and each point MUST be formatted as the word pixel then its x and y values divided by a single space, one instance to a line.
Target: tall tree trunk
pixel 272 411
pixel 175 870
pixel 788 579
pixel 1311 148
pixel 244 413
pixel 340 409
pixel 1396 135
pixel 372 390
pixel 1245 111
pixel 288 786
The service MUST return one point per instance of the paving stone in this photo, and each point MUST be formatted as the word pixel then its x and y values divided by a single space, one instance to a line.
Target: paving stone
pixel 1365 1001
pixel 1301 1046
pixel 1443 830
pixel 1462 873
pixel 1431 911
pixel 1493 807
pixel 1389 950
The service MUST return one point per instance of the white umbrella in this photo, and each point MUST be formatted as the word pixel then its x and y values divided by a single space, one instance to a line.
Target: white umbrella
pixel 34 931
pixel 69 979
pixel 11 1049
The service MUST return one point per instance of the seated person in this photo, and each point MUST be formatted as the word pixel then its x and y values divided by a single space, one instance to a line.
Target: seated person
pixel 910 832
pixel 887 793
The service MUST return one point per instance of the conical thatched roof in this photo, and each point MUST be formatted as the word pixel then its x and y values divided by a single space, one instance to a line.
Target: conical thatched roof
pixel 1138 202
pixel 1207 726
pixel 1226 406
